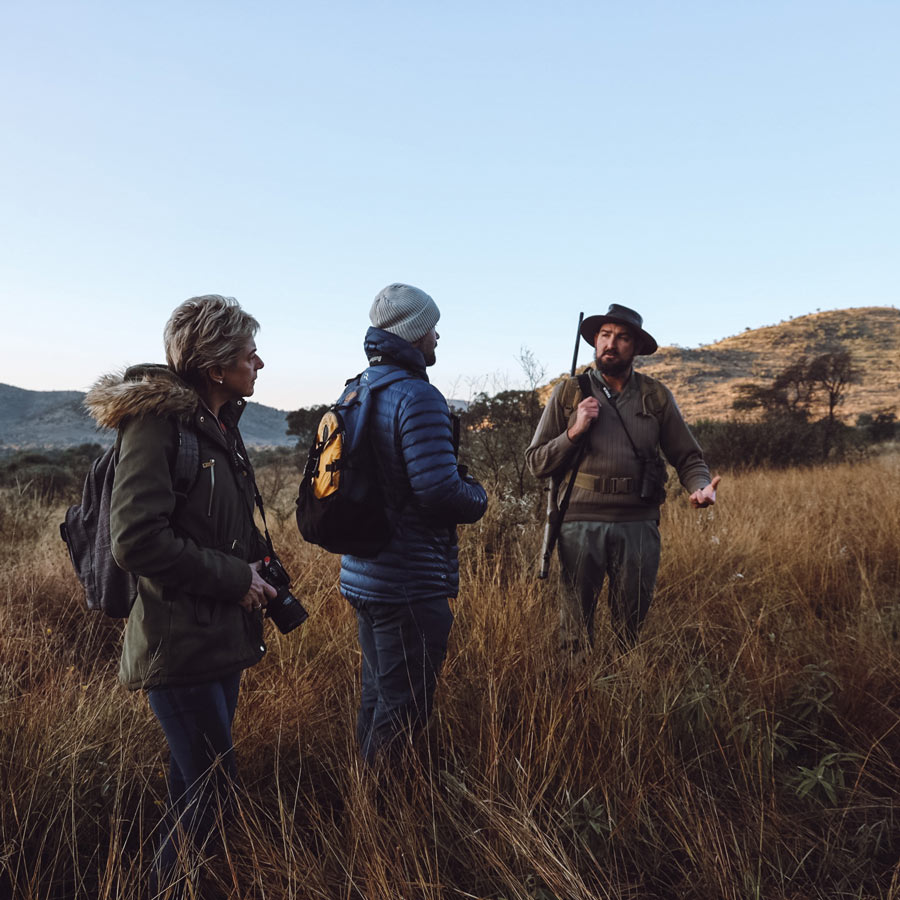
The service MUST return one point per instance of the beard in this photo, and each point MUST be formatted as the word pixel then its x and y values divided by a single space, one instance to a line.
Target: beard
pixel 613 365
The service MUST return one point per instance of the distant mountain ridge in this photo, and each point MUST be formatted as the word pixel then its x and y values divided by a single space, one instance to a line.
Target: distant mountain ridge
pixel 703 379
pixel 33 419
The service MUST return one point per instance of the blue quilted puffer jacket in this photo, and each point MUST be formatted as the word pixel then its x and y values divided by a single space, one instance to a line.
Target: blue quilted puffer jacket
pixel 426 498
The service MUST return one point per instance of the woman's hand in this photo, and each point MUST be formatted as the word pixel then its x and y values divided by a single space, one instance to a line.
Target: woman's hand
pixel 259 592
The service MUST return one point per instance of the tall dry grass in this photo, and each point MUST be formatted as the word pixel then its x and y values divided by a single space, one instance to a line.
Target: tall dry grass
pixel 747 748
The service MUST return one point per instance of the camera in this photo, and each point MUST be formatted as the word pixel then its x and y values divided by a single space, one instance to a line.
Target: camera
pixel 284 609
pixel 653 480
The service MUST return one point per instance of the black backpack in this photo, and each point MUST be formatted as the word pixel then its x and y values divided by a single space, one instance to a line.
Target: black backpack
pixel 340 505
pixel 86 528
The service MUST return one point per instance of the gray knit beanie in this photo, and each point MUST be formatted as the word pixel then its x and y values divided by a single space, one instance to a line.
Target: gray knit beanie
pixel 405 311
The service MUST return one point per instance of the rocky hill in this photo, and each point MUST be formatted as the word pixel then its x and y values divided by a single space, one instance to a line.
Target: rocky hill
pixel 58 419
pixel 703 379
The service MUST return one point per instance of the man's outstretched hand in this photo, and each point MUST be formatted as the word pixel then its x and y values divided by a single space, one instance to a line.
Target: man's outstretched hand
pixel 705 496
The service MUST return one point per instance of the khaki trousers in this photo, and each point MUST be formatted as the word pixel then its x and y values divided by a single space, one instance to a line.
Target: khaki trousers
pixel 627 552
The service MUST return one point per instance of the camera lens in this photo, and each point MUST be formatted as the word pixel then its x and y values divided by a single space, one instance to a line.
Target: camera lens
pixel 286 611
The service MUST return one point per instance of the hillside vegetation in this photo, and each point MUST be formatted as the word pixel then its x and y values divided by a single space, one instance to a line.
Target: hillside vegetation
pixel 747 748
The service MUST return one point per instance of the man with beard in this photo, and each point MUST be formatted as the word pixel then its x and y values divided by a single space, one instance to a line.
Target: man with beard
pixel 611 526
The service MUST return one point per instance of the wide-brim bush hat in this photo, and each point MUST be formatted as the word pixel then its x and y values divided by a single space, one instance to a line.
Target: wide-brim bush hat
pixel 621 315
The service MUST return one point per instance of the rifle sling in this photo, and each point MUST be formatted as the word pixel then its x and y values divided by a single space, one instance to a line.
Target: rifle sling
pixel 584 383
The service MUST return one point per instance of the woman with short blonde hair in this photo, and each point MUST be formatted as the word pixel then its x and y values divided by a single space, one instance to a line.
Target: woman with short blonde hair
pixel 206 331
pixel 196 623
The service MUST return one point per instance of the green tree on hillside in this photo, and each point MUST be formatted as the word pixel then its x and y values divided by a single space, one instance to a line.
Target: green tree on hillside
pixel 786 405
pixel 304 422
pixel 879 426
pixel 803 384
pixel 498 428
pixel 832 374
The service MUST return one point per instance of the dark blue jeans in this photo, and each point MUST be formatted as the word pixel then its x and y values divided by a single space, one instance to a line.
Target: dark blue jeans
pixel 196 720
pixel 403 648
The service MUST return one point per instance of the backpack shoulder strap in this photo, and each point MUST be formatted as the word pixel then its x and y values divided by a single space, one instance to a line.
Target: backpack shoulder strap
pixel 575 389
pixel 584 384
pixel 392 378
pixel 362 382
pixel 187 456
pixel 187 459
pixel 654 397
pixel 401 498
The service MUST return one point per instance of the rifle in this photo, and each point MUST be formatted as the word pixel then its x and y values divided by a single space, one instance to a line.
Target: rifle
pixel 556 511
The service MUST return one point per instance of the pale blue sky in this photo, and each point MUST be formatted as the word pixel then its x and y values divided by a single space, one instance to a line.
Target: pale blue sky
pixel 715 165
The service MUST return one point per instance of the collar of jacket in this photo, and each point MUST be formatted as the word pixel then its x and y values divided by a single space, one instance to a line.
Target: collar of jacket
pixel 630 381
pixel 150 389
pixel 384 348
pixel 204 421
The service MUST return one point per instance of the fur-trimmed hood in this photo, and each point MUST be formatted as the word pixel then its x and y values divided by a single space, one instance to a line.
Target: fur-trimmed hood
pixel 146 389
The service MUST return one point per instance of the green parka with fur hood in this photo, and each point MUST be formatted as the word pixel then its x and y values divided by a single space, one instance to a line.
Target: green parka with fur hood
pixel 191 551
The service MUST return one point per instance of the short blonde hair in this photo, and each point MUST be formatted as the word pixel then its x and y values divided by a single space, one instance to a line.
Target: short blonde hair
pixel 206 331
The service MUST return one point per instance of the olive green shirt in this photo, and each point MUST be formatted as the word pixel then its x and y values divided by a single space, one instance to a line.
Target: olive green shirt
pixel 610 465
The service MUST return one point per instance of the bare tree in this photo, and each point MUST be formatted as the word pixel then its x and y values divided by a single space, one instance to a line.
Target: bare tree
pixel 499 427
pixel 534 370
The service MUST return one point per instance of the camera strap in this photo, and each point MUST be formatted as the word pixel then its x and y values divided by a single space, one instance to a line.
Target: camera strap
pixel 612 402
pixel 584 385
pixel 262 513
pixel 245 459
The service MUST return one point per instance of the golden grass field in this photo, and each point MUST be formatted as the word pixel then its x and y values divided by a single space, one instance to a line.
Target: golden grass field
pixel 749 747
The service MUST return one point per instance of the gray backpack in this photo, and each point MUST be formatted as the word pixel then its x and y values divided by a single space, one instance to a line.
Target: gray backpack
pixel 86 528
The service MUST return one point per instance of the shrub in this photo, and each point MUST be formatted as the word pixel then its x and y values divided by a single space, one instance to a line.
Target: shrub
pixel 776 442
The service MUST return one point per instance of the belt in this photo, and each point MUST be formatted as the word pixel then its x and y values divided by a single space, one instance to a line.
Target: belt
pixel 602 484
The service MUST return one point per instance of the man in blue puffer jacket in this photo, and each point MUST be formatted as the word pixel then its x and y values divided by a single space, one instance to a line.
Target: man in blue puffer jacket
pixel 401 596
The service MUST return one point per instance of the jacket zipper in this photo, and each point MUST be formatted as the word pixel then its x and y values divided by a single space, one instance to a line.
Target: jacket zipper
pixel 211 465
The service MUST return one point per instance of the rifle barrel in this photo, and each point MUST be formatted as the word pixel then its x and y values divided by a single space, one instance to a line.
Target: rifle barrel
pixel 577 344
pixel 554 520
